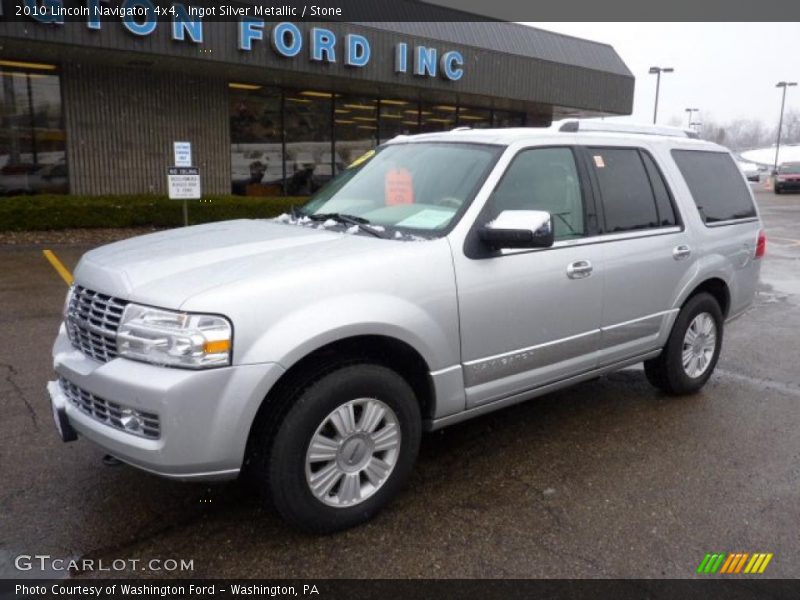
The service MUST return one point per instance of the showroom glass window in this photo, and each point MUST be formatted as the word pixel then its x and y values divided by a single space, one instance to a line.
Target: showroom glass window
pixel 437 117
pixel 355 125
pixel 504 118
pixel 398 117
pixel 32 137
pixel 256 140
pixel 307 118
pixel 477 118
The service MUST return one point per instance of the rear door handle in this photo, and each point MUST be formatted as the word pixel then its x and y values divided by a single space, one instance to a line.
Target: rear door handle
pixel 681 252
pixel 579 269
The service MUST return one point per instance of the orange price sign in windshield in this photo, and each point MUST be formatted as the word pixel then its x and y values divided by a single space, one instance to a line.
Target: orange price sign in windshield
pixel 399 187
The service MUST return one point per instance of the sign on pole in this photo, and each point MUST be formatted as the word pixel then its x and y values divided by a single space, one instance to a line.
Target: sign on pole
pixel 182 153
pixel 183 183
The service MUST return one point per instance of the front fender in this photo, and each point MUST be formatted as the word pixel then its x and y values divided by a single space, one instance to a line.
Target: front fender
pixel 298 333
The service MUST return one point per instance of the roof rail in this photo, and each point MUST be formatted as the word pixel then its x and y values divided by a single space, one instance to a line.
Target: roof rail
pixel 604 126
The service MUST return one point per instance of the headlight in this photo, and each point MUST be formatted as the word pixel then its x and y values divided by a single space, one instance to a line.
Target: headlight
pixel 67 301
pixel 174 339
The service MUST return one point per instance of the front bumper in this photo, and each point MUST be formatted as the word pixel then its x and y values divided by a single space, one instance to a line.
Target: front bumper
pixel 205 416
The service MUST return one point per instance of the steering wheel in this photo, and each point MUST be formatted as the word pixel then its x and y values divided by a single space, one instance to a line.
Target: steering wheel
pixel 450 202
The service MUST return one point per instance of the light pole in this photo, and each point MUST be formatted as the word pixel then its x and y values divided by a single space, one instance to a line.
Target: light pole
pixel 690 112
pixel 657 71
pixel 784 85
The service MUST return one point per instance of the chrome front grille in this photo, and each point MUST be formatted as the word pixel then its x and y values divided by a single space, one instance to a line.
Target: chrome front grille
pixel 146 425
pixel 92 322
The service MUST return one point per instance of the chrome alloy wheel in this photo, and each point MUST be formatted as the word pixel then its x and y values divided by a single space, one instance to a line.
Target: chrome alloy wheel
pixel 353 452
pixel 699 345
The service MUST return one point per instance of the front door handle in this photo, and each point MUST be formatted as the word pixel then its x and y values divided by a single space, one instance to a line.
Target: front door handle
pixel 681 252
pixel 579 269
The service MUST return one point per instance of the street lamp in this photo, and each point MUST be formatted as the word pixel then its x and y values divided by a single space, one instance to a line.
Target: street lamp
pixel 690 112
pixel 784 85
pixel 657 71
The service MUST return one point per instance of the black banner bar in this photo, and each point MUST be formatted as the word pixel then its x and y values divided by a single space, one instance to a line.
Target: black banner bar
pixel 733 588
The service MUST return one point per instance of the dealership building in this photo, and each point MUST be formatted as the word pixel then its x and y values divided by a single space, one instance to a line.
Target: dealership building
pixel 93 106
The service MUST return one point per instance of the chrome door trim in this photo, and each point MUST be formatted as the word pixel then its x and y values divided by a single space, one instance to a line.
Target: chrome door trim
pixel 730 222
pixel 516 398
pixel 598 239
pixel 635 329
pixel 491 368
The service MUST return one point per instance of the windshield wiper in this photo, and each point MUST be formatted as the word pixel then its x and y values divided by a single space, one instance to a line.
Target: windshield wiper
pixel 352 220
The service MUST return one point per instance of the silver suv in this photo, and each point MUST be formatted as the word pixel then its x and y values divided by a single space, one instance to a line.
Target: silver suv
pixel 439 277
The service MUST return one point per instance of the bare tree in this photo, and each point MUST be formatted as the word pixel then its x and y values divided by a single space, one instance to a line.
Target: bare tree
pixel 791 127
pixel 738 134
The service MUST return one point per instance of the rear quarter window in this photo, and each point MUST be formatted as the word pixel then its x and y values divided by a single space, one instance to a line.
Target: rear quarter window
pixel 716 184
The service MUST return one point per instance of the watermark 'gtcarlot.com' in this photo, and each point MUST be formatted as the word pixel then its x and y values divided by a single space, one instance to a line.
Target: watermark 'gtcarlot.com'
pixel 48 563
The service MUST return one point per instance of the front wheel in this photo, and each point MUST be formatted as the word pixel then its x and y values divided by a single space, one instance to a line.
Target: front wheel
pixel 344 449
pixel 692 350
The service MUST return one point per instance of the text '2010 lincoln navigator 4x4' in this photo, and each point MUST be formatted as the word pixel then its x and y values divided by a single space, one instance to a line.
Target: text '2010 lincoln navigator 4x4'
pixel 439 277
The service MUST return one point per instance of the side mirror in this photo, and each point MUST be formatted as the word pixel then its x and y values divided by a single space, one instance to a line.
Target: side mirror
pixel 519 229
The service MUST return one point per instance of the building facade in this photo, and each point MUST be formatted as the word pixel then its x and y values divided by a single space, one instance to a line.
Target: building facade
pixel 93 106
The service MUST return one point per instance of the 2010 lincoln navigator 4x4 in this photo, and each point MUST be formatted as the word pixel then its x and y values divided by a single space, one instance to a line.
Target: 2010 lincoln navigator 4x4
pixel 438 278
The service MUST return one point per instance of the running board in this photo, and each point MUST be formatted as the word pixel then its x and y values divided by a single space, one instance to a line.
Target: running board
pixel 434 424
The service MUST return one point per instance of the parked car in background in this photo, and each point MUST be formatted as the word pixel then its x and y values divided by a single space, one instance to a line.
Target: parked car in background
pixel 750 169
pixel 439 278
pixel 787 178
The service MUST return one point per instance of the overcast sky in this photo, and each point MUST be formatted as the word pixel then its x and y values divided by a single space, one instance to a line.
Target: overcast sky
pixel 728 70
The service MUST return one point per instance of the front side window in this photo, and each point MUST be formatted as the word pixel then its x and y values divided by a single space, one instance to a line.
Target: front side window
pixel 416 186
pixel 543 179
pixel 716 184
pixel 629 201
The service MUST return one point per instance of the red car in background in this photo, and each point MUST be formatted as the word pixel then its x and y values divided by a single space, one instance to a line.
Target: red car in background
pixel 787 178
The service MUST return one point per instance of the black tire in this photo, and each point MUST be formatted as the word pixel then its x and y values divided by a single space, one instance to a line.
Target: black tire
pixel 777 190
pixel 666 371
pixel 282 475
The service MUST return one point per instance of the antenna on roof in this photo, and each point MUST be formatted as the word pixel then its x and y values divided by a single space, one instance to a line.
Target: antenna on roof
pixel 605 126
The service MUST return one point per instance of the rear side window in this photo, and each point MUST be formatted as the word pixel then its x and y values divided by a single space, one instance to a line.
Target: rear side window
pixel 717 186
pixel 664 205
pixel 629 202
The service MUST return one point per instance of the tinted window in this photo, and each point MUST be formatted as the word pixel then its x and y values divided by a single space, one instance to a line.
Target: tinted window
pixel 628 199
pixel 716 184
pixel 664 206
pixel 543 179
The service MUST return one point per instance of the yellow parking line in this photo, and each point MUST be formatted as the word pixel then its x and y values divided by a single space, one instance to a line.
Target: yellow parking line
pixel 58 266
pixel 792 241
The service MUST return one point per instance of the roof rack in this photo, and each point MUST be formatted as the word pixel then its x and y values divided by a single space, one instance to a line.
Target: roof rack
pixel 604 126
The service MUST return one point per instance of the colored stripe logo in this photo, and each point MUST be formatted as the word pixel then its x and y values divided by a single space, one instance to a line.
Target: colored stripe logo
pixel 734 563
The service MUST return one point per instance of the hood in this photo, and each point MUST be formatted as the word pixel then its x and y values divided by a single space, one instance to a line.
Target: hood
pixel 167 268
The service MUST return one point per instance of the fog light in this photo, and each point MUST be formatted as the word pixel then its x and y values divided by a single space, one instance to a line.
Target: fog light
pixel 132 420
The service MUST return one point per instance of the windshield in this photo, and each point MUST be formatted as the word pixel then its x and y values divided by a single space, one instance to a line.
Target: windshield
pixel 418 186
pixel 793 168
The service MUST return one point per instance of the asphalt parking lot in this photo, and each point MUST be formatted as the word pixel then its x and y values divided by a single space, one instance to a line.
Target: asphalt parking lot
pixel 607 479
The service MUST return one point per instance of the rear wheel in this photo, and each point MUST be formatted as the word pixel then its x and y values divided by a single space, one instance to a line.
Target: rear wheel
pixel 344 449
pixel 692 350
